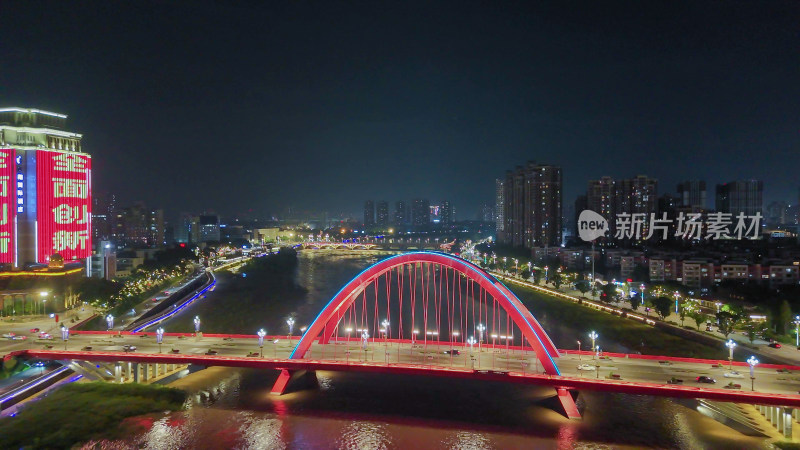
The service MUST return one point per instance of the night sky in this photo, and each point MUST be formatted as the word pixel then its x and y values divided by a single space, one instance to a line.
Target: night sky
pixel 231 106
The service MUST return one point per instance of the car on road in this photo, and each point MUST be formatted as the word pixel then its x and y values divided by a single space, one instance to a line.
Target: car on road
pixel 19 338
pixel 451 352
pixel 586 367
pixel 9 335
pixel 34 330
pixel 774 345
pixel 674 380
pixel 705 379
pixel 44 335
pixel 733 374
pixel 129 348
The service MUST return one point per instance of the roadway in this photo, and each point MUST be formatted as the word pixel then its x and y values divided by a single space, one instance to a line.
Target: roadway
pixel 631 369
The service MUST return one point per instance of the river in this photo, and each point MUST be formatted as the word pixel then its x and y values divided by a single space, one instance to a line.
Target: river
pixel 232 408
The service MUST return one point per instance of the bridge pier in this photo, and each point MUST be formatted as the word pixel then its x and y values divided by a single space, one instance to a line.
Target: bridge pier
pixel 296 377
pixel 118 373
pixel 567 400
pixel 787 422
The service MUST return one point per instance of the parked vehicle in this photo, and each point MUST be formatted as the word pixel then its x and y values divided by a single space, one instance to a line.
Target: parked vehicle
pixel 705 379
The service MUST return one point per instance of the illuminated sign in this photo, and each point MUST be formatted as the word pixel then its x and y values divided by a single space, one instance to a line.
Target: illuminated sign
pixel 8 200
pixel 64 205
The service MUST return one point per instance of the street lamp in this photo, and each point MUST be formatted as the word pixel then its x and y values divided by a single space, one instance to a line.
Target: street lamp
pixel 516 263
pixel 44 294
pixel 796 322
pixel 753 363
pixel 731 345
pixel 471 342
pixel 159 337
pixel 593 336
pixel 261 333
pixel 385 324
pixel 196 324
pixel 290 322
pixel 110 321
pixel 481 328
pixel 579 350
pixel 65 335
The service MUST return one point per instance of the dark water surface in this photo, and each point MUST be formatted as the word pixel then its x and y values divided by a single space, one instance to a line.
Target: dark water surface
pixel 233 409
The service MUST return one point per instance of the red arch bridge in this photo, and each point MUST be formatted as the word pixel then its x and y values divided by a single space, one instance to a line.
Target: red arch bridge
pixel 433 314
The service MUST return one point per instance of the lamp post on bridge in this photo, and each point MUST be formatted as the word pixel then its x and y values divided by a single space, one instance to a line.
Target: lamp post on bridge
pixel 481 328
pixel 579 350
pixel 261 333
pixel 386 324
pixel 753 363
pixel 796 323
pixel 196 324
pixel 159 337
pixel 364 342
pixel 731 345
pixel 290 322
pixel 65 335
pixel 110 321
pixel 593 336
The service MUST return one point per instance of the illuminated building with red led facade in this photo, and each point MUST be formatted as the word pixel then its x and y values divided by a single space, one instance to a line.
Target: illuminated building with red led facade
pixel 45 190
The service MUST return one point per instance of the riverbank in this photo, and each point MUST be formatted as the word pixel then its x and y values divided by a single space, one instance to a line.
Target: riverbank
pixel 70 414
pixel 568 322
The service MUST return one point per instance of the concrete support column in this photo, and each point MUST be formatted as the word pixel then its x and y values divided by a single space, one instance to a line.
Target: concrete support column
pixel 136 373
pixel 146 372
pixel 787 422
pixel 775 415
pixel 118 373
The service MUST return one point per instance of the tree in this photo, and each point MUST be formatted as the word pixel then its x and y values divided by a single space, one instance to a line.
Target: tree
pixel 525 274
pixel 726 320
pixel 662 306
pixel 608 293
pixel 537 277
pixel 784 317
pixel 753 329
pixel 685 309
pixel 557 279
pixel 583 286
pixel 698 317
pixel 636 302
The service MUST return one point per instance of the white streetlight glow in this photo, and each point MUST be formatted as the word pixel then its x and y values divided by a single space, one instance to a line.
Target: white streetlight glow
pixel 731 345
pixel 753 363
pixel 290 322
pixel 593 336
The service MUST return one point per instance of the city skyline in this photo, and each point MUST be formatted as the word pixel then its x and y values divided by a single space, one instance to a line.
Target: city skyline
pixel 669 91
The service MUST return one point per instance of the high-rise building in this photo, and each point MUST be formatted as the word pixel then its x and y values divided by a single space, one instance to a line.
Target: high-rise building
pixel 487 213
pixel 421 212
pixel 446 212
pixel 400 213
pixel 601 197
pixel 777 214
pixel 45 189
pixel 532 208
pixel 209 228
pixel 692 195
pixel 137 226
pixel 383 213
pixel 740 197
pixel 499 204
pixel 637 195
pixel 580 205
pixel 369 213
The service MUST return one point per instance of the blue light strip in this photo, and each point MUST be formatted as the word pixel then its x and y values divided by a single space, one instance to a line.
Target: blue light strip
pixel 176 310
pixel 480 272
pixel 34 383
